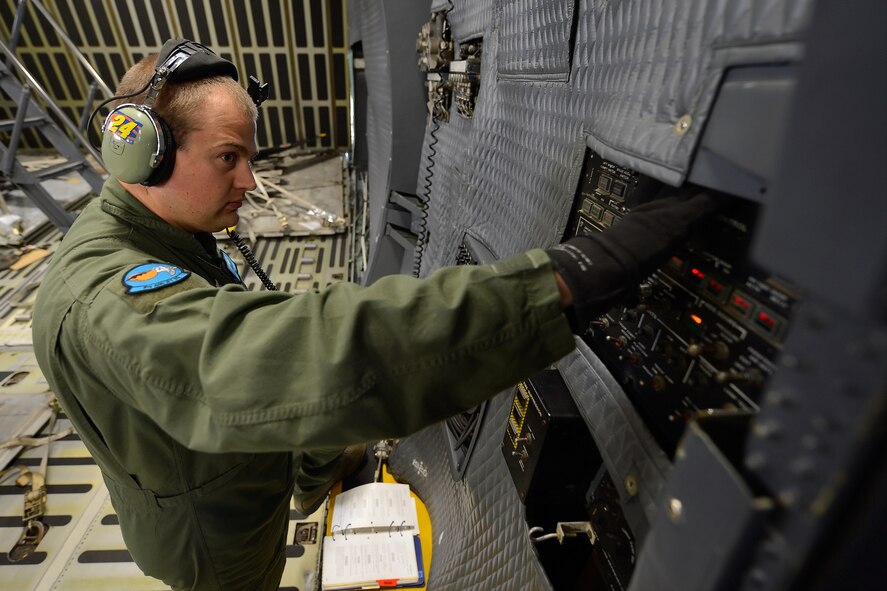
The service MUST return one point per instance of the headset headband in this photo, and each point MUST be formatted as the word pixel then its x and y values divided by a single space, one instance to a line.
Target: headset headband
pixel 181 60
pixel 165 70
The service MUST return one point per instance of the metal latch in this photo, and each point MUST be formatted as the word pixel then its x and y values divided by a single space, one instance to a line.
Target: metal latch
pixel 29 540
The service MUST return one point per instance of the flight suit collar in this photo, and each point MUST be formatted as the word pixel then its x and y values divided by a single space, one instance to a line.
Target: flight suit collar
pixel 121 204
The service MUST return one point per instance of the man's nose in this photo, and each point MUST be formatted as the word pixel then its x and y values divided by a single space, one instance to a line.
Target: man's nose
pixel 245 178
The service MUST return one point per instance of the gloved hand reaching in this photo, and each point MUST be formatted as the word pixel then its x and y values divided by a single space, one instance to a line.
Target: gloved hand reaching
pixel 604 267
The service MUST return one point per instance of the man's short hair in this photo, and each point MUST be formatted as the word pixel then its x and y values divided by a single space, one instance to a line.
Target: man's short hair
pixel 178 103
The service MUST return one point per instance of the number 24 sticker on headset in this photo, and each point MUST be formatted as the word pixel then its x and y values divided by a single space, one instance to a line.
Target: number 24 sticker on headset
pixel 124 127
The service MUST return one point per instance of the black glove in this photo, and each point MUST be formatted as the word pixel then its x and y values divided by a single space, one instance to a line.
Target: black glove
pixel 604 267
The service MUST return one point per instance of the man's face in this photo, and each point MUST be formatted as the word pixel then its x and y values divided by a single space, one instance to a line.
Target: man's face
pixel 212 171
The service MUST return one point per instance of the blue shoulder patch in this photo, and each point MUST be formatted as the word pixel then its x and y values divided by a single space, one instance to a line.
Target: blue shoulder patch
pixel 232 266
pixel 153 276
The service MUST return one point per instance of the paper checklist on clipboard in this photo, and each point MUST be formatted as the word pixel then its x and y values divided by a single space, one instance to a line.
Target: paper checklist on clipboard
pixel 374 539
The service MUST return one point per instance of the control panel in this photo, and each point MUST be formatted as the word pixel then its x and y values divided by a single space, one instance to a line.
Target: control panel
pixel 449 79
pixel 703 334
pixel 543 427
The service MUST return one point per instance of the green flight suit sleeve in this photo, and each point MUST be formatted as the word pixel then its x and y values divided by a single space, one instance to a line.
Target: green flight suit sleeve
pixel 231 370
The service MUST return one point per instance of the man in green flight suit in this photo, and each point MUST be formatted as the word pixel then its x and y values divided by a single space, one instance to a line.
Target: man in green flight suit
pixel 207 406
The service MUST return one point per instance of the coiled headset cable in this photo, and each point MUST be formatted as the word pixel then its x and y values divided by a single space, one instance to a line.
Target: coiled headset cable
pixel 250 259
pixel 425 198
pixel 424 202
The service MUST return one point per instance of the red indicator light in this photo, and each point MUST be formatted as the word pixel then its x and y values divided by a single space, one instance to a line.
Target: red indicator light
pixel 740 303
pixel 697 273
pixel 696 318
pixel 766 321
pixel 715 286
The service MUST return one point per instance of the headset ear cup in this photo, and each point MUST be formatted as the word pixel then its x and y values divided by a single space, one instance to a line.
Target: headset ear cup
pixel 168 160
pixel 130 141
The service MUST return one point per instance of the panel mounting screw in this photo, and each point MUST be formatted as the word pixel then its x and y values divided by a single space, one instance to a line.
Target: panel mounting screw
pixel 675 509
pixel 631 485
pixel 683 124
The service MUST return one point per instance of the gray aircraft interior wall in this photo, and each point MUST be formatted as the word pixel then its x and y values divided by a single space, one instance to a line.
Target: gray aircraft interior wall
pixel 394 111
pixel 723 93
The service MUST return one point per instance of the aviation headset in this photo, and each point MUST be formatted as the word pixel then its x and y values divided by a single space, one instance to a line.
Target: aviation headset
pixel 137 144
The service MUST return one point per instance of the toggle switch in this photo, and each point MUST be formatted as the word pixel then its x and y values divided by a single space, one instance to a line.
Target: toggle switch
pixel 751 377
pixel 718 350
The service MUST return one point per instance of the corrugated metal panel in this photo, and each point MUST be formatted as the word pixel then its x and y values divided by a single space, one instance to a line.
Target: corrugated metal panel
pixel 299 46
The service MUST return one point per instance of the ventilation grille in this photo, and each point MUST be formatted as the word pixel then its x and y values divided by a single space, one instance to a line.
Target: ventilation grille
pixel 463 428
